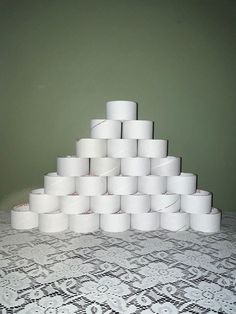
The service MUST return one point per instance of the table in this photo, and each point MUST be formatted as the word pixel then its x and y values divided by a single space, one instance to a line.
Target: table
pixel 133 272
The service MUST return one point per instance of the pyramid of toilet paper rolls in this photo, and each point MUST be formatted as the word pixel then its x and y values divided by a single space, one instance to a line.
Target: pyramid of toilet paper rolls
pixel 120 178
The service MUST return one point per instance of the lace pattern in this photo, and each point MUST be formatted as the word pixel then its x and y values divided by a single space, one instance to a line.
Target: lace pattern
pixel 132 272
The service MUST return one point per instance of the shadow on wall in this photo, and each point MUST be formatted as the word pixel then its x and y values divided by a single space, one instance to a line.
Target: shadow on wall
pixel 15 198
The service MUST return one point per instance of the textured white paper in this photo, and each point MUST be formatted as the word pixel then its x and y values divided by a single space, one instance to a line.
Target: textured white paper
pixel 72 166
pixel 137 129
pixel 106 129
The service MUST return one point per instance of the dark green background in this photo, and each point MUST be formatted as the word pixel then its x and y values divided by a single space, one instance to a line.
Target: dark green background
pixel 62 60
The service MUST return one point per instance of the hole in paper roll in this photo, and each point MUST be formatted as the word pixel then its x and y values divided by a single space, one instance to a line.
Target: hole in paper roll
pixel 215 211
pixel 52 213
pixel 52 174
pixel 38 191
pixel 202 193
pixel 22 207
pixel 187 174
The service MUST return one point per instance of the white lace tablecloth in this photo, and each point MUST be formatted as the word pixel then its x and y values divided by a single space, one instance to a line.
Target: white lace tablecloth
pixel 133 272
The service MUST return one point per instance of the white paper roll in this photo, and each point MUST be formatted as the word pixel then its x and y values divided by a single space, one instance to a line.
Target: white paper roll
pixel 91 148
pixel 105 204
pixel 84 223
pixel 138 129
pixel 105 129
pixel 165 203
pixel 39 202
pixel 169 166
pixel 178 221
pixel 105 166
pixel 137 166
pixel 72 166
pixel 185 183
pixel 91 185
pixel 145 221
pixel 136 203
pixel 206 222
pixel 121 110
pixel 58 185
pixel 74 204
pixel 121 148
pixel 53 222
pixel 197 203
pixel 152 148
pixel 22 218
pixel 152 184
pixel 118 222
pixel 122 185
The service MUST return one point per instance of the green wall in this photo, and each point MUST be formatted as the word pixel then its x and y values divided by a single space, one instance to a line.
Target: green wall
pixel 60 61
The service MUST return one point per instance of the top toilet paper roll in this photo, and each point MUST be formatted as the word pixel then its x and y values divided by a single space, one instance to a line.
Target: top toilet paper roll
pixel 185 183
pixel 121 148
pixel 197 203
pixel 91 147
pixel 105 129
pixel 138 129
pixel 72 166
pixel 58 185
pixel 152 148
pixel 121 110
pixel 169 166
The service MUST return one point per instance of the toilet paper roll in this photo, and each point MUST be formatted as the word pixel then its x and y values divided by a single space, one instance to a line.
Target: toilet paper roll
pixel 72 166
pixel 122 185
pixel 145 221
pixel 105 204
pixel 53 222
pixel 137 166
pixel 137 129
pixel 136 203
pixel 105 129
pixel 118 222
pixel 121 110
pixel 152 184
pixel 58 185
pixel 152 148
pixel 91 148
pixel 197 203
pixel 175 221
pixel 74 204
pixel 22 218
pixel 206 222
pixel 105 166
pixel 185 183
pixel 169 166
pixel 84 223
pixel 91 185
pixel 39 202
pixel 121 148
pixel 165 203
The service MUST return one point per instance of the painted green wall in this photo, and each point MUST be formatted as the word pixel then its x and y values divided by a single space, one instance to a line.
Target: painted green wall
pixel 60 61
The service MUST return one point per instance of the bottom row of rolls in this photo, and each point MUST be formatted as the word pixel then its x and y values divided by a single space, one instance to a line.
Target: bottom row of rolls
pixel 22 218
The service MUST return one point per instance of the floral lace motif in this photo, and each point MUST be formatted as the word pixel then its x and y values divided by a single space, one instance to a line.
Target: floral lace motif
pixel 134 272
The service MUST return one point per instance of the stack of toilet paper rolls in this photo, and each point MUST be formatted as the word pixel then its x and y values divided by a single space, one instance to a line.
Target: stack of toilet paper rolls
pixel 120 178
